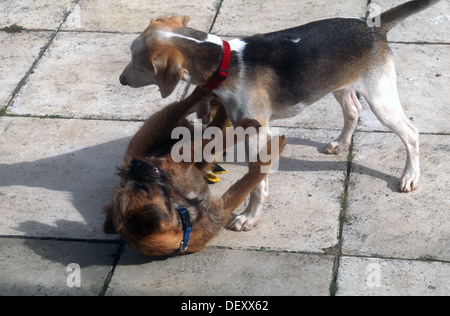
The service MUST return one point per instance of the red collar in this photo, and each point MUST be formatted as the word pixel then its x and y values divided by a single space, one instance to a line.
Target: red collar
pixel 221 74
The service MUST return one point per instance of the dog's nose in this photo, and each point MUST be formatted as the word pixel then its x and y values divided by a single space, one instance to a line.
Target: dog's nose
pixel 137 163
pixel 123 80
pixel 136 169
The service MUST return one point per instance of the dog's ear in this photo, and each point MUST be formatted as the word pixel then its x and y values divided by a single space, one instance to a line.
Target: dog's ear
pixel 172 22
pixel 182 19
pixel 169 70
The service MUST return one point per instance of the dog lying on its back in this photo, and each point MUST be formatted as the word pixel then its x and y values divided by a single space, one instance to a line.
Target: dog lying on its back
pixel 165 208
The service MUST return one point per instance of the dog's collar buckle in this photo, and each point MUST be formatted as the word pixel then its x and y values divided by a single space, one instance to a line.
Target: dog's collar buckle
pixel 222 73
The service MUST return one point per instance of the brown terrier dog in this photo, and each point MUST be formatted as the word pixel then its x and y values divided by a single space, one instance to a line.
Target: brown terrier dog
pixel 164 208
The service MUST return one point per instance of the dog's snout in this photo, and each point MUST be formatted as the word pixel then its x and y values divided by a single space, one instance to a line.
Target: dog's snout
pixel 136 170
pixel 136 163
pixel 123 80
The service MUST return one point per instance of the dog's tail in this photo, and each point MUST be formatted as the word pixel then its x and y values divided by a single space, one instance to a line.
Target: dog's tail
pixel 392 17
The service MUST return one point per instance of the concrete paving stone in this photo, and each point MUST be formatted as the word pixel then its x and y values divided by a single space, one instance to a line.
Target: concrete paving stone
pixel 243 18
pixel 430 26
pixel 423 81
pixel 41 267
pixel 387 277
pixel 34 14
pixel 382 222
pixel 217 272
pixel 302 213
pixel 17 54
pixel 56 175
pixel 78 77
pixel 135 15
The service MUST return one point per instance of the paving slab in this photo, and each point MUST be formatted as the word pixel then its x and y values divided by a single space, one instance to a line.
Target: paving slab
pixel 78 77
pixel 382 222
pixel 267 16
pixel 388 277
pixel 18 53
pixel 41 267
pixel 56 175
pixel 302 213
pixel 429 26
pixel 423 81
pixel 217 272
pixel 36 14
pixel 135 15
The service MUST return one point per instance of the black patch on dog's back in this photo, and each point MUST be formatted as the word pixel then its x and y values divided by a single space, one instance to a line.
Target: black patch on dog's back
pixel 315 53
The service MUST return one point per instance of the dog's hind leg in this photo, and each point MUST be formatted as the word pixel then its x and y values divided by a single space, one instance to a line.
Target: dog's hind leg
pixel 382 96
pixel 351 108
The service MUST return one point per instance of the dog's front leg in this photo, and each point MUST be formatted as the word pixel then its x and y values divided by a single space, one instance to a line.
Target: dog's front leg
pixel 251 217
pixel 253 179
pixel 161 124
pixel 220 121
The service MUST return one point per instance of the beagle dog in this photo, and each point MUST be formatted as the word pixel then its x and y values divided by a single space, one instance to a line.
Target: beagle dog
pixel 165 208
pixel 277 75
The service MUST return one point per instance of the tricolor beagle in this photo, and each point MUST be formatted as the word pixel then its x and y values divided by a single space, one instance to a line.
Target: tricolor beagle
pixel 277 75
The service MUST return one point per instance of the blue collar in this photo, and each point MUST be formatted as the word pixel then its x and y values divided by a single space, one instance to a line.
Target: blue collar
pixel 187 228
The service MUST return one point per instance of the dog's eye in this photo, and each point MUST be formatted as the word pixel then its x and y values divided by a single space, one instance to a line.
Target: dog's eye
pixel 157 171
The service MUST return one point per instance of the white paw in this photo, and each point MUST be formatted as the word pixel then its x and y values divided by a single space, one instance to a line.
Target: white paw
pixel 243 223
pixel 409 182
pixel 335 148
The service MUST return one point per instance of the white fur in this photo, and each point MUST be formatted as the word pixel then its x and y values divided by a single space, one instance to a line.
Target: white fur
pixel 236 100
pixel 214 39
pixel 237 45
pixel 211 38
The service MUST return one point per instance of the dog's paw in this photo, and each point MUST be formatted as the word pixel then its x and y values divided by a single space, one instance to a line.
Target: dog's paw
pixel 335 148
pixel 409 183
pixel 243 223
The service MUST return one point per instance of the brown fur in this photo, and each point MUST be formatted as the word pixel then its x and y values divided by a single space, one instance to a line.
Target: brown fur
pixel 143 209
